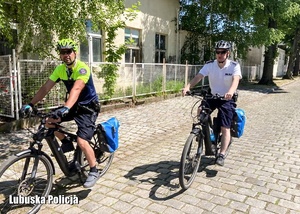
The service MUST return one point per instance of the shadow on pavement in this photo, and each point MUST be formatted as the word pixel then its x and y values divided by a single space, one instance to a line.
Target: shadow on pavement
pixel 163 175
pixel 207 161
pixel 12 147
pixel 254 86
pixel 66 186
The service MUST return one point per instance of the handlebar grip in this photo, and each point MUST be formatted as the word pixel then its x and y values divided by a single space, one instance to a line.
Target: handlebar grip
pixel 188 93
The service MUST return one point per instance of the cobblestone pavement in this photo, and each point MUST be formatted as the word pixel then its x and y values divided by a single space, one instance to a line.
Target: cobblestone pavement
pixel 261 173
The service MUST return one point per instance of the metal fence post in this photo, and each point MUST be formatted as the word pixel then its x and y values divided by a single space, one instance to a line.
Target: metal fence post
pixel 186 73
pixel 134 79
pixel 15 84
pixel 164 76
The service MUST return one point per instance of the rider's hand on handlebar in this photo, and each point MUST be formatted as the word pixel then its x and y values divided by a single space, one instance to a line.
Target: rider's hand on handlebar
pixel 228 96
pixel 185 90
pixel 61 112
pixel 26 110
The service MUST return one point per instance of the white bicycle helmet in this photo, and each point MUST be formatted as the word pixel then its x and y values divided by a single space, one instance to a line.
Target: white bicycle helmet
pixel 223 45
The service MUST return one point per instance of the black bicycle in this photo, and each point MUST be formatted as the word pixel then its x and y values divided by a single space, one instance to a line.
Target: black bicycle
pixel 29 174
pixel 204 139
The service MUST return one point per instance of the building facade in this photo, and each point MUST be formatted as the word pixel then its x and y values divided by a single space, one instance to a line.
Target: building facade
pixel 153 34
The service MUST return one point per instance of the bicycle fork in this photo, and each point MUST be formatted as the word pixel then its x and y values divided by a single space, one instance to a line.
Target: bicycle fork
pixel 198 133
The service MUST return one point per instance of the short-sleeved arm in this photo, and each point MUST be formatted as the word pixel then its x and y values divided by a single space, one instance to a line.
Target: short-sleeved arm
pixel 83 74
pixel 55 74
pixel 237 71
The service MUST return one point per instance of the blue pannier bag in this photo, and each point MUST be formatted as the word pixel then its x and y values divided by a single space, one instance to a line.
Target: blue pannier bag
pixel 108 135
pixel 238 123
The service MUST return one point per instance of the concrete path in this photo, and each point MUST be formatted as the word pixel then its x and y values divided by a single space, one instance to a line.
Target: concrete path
pixel 261 173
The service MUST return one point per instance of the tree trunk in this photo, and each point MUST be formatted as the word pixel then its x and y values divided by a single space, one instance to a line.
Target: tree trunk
pixel 293 57
pixel 297 63
pixel 270 54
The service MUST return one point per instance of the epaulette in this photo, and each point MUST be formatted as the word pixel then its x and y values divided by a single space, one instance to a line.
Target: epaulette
pixel 209 61
pixel 234 62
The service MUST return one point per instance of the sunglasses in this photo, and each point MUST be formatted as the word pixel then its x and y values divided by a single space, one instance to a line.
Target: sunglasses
pixel 221 52
pixel 63 52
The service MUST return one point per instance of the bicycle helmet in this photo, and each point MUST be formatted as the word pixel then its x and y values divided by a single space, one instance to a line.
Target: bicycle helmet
pixel 67 44
pixel 223 45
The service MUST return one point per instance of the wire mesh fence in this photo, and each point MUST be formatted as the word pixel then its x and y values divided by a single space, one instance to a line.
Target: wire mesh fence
pixel 141 79
pixel 33 74
pixel 7 81
pixel 133 80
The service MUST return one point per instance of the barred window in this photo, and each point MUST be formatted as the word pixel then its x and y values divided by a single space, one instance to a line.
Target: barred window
pixel 160 48
pixel 132 38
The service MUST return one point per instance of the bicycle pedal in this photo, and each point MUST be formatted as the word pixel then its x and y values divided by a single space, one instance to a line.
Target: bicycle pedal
pixel 74 166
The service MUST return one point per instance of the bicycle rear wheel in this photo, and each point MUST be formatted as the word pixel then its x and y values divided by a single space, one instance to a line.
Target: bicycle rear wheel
pixel 103 159
pixel 190 160
pixel 19 188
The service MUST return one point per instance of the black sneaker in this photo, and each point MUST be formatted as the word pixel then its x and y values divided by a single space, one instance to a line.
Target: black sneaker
pixel 220 160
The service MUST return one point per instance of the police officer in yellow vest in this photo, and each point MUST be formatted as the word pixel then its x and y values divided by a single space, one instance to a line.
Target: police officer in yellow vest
pixel 77 78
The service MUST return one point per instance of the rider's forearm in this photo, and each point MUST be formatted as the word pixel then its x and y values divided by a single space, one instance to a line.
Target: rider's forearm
pixel 42 92
pixel 234 85
pixel 195 80
pixel 74 93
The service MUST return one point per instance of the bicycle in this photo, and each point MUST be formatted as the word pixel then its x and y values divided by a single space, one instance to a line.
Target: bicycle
pixel 29 173
pixel 204 139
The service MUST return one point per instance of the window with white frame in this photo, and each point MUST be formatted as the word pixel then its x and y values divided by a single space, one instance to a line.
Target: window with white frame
pixel 133 52
pixel 160 48
pixel 93 45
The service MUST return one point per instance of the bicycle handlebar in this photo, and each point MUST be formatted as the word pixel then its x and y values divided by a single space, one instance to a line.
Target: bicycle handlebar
pixel 36 113
pixel 206 95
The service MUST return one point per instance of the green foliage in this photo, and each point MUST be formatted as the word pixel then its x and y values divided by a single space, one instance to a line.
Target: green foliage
pixel 47 20
pixel 38 30
pixel 245 23
pixel 175 86
pixel 147 88
pixel 109 73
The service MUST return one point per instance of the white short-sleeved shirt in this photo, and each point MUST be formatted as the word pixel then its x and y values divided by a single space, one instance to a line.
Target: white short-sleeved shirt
pixel 220 79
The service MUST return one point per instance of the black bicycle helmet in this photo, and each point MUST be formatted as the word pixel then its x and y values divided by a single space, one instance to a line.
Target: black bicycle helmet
pixel 67 44
pixel 223 45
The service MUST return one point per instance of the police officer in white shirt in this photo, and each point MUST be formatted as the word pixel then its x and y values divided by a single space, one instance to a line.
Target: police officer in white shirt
pixel 223 75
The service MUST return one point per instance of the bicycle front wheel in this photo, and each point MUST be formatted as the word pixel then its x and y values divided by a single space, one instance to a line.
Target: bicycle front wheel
pixel 25 183
pixel 190 160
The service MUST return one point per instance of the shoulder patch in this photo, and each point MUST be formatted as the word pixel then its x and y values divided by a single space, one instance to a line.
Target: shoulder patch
pixel 234 62
pixel 211 61
pixel 82 71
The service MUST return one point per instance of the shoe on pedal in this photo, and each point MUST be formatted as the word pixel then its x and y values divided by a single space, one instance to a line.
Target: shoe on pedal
pixel 220 160
pixel 91 179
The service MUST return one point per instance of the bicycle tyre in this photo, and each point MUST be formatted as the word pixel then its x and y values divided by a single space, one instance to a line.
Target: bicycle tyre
pixel 190 160
pixel 12 183
pixel 103 159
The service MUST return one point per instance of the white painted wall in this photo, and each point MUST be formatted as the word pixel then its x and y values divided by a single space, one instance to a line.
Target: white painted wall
pixel 255 56
pixel 155 16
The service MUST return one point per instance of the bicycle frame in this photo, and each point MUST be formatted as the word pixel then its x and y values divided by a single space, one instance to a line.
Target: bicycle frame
pixel 58 153
pixel 201 127
pixel 47 134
